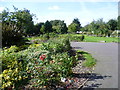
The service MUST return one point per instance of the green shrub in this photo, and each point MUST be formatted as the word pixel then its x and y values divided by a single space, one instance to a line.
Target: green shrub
pixel 42 64
pixel 14 69
pixel 53 35
pixel 73 37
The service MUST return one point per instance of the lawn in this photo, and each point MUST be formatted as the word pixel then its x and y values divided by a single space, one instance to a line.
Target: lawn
pixel 98 39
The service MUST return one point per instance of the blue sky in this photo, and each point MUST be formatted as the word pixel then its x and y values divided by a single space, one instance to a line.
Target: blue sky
pixel 67 11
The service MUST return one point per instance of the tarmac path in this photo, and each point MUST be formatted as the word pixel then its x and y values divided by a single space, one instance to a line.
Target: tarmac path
pixel 106 70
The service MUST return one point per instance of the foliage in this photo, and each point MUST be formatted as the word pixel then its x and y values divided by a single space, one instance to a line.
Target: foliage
pixel 59 26
pixel 42 64
pixel 113 24
pixel 46 28
pixel 15 24
pixel 74 26
pixel 14 67
pixel 73 37
pixel 37 28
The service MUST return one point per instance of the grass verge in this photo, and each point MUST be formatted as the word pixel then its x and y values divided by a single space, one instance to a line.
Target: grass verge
pixel 89 60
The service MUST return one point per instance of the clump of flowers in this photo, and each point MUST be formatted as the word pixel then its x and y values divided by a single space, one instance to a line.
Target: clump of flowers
pixel 42 57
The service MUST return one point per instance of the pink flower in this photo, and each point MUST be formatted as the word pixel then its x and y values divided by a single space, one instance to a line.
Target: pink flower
pixel 42 57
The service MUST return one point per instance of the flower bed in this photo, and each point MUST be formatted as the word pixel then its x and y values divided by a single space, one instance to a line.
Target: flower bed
pixel 41 65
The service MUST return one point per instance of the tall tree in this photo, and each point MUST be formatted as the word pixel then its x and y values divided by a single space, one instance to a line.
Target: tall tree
pixel 76 21
pixel 113 24
pixel 59 26
pixel 46 28
pixel 37 28
pixel 15 24
pixel 74 26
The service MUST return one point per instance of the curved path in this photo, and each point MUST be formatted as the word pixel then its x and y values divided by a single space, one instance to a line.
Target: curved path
pixel 106 70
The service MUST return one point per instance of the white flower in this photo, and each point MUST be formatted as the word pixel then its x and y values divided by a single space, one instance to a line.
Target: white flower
pixel 63 79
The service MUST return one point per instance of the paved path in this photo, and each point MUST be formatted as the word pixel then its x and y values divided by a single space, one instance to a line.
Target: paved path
pixel 106 70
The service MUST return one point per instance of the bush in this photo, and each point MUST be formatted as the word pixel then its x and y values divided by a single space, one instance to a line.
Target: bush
pixel 53 35
pixel 42 64
pixel 10 37
pixel 14 68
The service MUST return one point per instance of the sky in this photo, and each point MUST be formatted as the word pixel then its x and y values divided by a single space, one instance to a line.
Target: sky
pixel 86 11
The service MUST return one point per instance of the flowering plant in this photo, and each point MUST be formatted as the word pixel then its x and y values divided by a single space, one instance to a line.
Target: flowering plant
pixel 42 57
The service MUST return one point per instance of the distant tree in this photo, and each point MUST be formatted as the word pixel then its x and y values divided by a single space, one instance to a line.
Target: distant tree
pixel 76 21
pixel 46 28
pixel 73 28
pixel 113 24
pixel 37 28
pixel 59 26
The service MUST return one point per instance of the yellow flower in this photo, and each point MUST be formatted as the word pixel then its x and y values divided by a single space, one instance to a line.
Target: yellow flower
pixel 8 77
pixel 20 78
pixel 5 71
pixel 9 83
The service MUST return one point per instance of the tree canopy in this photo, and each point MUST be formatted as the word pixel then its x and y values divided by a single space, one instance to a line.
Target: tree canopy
pixel 74 26
pixel 59 26
pixel 16 24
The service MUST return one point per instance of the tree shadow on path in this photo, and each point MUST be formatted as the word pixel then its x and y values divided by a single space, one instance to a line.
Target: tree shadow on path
pixel 93 79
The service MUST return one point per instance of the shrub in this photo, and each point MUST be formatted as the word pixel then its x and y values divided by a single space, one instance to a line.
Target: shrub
pixel 14 69
pixel 42 64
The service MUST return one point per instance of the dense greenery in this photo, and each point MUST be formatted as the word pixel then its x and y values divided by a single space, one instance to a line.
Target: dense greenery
pixel 15 25
pixel 75 37
pixel 40 64
pixel 101 28
pixel 59 26
pixel 74 26
pixel 19 23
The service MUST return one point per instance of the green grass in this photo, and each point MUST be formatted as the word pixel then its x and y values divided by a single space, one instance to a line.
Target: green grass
pixel 98 39
pixel 94 38
pixel 89 60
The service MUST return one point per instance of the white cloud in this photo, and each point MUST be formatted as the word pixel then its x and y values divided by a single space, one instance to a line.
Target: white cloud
pixel 1 9
pixel 53 8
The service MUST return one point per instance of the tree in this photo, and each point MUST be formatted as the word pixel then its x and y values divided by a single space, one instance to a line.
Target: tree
pixel 59 26
pixel 42 29
pixel 15 24
pixel 76 21
pixel 72 27
pixel 46 28
pixel 37 28
pixel 113 24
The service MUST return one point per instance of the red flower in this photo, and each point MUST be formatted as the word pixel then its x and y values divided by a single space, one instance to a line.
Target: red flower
pixel 42 57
